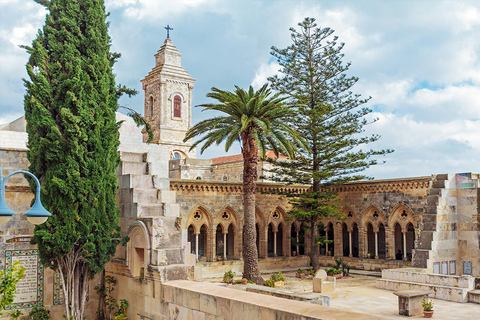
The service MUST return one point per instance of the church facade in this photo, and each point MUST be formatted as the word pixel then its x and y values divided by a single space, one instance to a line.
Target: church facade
pixel 185 215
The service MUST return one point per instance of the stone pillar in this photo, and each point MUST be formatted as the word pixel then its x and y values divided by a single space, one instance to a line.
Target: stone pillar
pixel 376 245
pixel 196 245
pixel 350 243
pixel 225 246
pixel 275 243
pixel 404 245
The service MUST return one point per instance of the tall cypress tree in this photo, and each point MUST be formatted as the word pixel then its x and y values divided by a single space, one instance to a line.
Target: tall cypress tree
pixel 70 105
pixel 329 116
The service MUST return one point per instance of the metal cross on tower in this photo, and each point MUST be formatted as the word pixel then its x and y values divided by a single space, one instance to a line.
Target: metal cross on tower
pixel 168 31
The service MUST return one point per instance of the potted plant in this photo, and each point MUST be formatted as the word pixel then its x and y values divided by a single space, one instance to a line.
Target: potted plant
pixel 244 281
pixel 300 274
pixel 427 307
pixel 219 258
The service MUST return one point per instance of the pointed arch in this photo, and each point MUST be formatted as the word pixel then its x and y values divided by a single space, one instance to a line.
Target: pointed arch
pixel 402 215
pixel 374 216
pixel 198 217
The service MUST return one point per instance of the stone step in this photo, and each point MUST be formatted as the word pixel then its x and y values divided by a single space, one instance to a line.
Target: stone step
pixel 474 296
pixel 425 240
pixel 420 258
pixel 442 176
pixel 429 222
pixel 151 210
pixel 141 196
pixel 128 181
pixel 454 294
pixel 435 192
pixel 137 168
pixel 432 200
pixel 438 184
pixel 132 157
pixel 422 276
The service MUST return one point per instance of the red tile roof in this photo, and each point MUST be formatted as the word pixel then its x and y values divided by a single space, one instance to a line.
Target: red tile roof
pixel 239 157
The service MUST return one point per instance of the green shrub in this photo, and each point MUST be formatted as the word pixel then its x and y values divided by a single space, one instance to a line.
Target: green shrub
pixel 39 313
pixel 228 276
pixel 269 283
pixel 300 271
pixel 277 276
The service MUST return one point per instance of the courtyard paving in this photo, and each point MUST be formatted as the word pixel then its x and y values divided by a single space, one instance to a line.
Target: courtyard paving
pixel 358 293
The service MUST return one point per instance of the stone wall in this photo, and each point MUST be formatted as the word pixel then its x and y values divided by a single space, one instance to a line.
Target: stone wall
pixel 183 299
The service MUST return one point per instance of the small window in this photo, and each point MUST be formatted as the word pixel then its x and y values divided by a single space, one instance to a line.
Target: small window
pixel 177 106
pixel 198 178
pixel 175 155
pixel 225 177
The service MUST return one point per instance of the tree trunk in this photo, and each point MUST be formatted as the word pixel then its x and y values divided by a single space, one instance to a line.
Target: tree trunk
pixel 314 256
pixel 250 254
pixel 74 277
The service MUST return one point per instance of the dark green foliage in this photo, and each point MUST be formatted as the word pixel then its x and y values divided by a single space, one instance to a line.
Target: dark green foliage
pixel 39 313
pixel 70 105
pixel 331 118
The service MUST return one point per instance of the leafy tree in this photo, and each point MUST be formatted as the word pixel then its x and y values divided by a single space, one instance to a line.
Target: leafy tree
pixel 8 284
pixel 257 120
pixel 331 117
pixel 70 105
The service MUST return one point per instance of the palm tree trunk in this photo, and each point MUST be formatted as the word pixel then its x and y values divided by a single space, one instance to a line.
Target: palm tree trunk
pixel 250 254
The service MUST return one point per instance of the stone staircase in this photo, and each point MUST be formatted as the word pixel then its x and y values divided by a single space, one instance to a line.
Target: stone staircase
pixel 444 287
pixel 146 198
pixel 423 243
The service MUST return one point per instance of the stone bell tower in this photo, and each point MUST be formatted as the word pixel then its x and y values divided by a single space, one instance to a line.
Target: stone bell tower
pixel 168 101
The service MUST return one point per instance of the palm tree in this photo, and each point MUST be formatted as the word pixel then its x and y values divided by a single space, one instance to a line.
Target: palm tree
pixel 257 121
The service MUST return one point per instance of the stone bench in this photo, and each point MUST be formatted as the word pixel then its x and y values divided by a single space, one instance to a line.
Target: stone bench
pixel 410 302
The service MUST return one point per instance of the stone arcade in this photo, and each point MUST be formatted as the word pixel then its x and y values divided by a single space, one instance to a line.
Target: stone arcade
pixel 184 214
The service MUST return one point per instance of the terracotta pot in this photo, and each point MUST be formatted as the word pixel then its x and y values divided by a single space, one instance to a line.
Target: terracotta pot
pixel 338 276
pixel 219 258
pixel 244 281
pixel 428 314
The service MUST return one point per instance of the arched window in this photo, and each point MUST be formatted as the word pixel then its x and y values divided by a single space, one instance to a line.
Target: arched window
pixel 177 106
pixel 225 177
pixel 175 155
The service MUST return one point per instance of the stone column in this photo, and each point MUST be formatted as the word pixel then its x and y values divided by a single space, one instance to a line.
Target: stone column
pixel 350 243
pixel 376 245
pixel 225 246
pixel 404 245
pixel 275 243
pixel 196 245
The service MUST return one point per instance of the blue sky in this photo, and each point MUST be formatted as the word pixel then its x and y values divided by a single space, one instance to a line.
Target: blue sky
pixel 418 60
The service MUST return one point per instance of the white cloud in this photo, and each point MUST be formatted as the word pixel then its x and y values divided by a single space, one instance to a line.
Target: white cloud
pixel 265 71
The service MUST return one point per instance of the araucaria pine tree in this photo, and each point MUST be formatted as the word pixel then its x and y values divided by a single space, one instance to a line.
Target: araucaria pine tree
pixel 70 105
pixel 330 117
